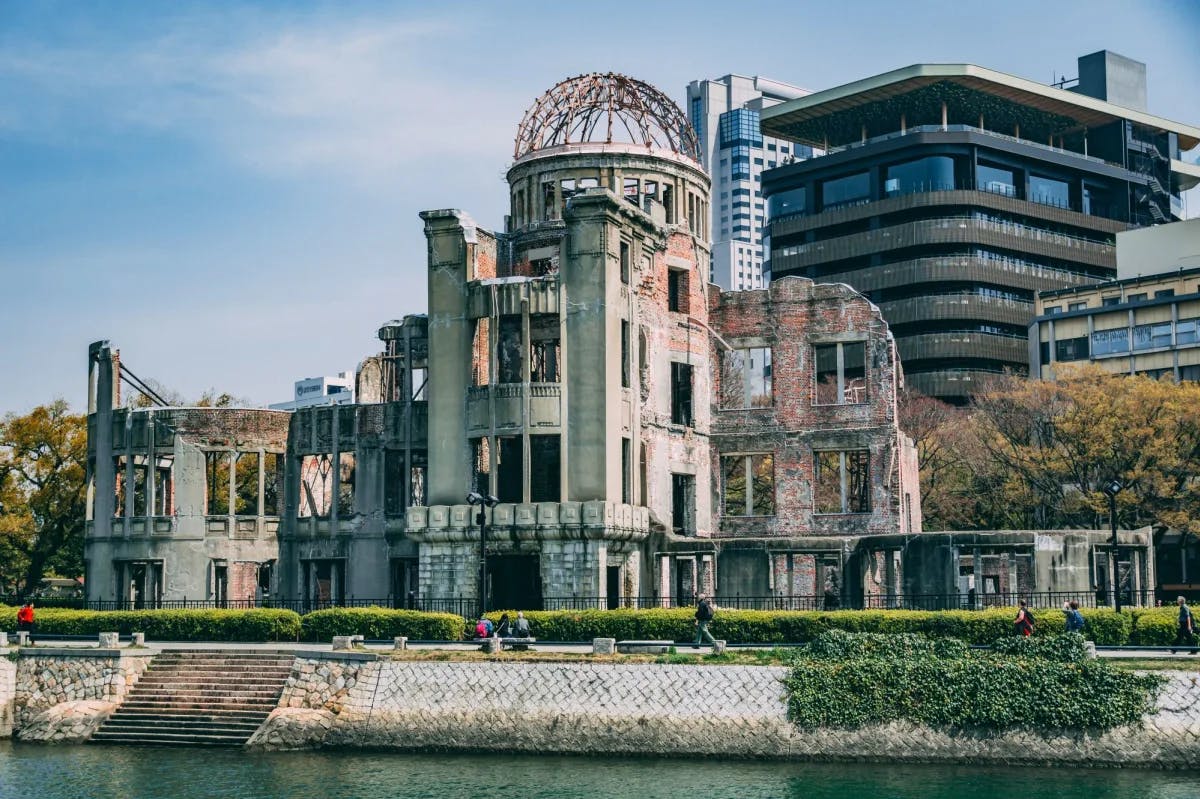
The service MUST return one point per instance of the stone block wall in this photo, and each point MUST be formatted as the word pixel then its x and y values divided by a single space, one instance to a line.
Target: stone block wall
pixel 669 710
pixel 8 689
pixel 50 679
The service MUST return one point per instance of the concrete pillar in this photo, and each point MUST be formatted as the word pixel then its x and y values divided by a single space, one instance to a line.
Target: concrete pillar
pixel 451 236
pixel 102 392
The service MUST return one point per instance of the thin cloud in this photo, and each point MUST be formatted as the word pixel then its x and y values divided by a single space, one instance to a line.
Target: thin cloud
pixel 348 97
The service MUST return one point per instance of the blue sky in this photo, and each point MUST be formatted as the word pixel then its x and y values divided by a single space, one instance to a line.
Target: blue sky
pixel 229 192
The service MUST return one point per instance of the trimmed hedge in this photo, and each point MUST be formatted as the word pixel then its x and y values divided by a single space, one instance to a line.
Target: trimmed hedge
pixel 974 689
pixel 381 623
pixel 1155 626
pixel 773 627
pixel 260 624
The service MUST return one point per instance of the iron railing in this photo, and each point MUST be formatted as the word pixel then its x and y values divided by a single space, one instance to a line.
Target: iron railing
pixel 467 607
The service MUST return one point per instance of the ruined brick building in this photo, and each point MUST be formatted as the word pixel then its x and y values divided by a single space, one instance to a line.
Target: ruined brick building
pixel 648 436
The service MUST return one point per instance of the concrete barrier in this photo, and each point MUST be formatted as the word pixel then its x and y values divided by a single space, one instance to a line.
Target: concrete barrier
pixel 400 643
pixel 110 640
pixel 604 646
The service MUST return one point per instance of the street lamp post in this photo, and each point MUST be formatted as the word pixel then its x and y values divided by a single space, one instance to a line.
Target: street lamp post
pixel 1111 489
pixel 482 501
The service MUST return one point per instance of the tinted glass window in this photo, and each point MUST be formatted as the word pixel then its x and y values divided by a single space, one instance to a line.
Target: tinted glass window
pixel 788 202
pixel 846 190
pixel 995 179
pixel 925 174
pixel 1049 191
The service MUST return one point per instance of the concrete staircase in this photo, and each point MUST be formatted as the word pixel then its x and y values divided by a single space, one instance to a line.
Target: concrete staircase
pixel 199 697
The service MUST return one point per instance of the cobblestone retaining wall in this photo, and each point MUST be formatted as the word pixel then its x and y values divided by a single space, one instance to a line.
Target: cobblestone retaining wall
pixel 732 711
pixel 8 687
pixel 64 695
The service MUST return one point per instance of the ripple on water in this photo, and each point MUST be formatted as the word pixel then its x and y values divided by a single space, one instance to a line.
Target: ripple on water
pixel 70 772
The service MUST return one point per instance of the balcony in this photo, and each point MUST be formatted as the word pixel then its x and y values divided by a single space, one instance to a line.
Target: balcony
pixel 967 344
pixel 1010 272
pixel 963 306
pixel 951 383
pixel 972 230
pixel 503 406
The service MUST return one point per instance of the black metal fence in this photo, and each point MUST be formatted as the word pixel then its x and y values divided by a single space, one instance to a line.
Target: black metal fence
pixel 467 607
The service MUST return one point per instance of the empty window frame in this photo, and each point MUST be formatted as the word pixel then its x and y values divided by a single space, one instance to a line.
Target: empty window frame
pixel 677 289
pixel 316 486
pixel 840 373
pixel 481 349
pixel 416 484
pixel 625 360
pixel 164 486
pixel 118 486
pixel 748 485
pixel 139 485
pixel 626 470
pixel 508 349
pixel 272 483
pixel 510 469
pixel 683 504
pixel 544 348
pixel 843 482
pixel 346 475
pixel 746 378
pixel 544 469
pixel 216 474
pixel 393 482
pixel 245 471
pixel 482 465
pixel 681 394
pixel 625 265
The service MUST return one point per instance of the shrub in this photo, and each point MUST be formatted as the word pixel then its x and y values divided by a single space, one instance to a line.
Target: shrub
pixel 167 625
pixel 1155 626
pixel 980 690
pixel 381 623
pixel 1065 648
pixel 841 645
pixel 777 627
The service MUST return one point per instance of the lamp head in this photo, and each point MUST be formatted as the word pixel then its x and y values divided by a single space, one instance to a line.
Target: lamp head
pixel 475 498
pixel 1112 488
pixel 491 501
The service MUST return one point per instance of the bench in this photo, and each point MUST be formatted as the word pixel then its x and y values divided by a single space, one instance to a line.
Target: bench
pixel 644 647
pixel 519 644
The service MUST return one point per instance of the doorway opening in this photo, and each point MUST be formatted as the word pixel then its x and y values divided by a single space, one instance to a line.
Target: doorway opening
pixel 515 582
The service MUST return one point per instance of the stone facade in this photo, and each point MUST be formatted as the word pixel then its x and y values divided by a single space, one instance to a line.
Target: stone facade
pixel 64 695
pixel 667 710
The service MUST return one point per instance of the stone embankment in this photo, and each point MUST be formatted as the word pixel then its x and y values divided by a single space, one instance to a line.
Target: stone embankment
pixel 65 695
pixel 361 700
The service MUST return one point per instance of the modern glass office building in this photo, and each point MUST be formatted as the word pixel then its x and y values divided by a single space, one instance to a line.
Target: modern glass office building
pixel 725 114
pixel 951 194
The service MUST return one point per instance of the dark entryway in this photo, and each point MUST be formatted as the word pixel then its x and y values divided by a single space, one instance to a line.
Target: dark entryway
pixel 404 583
pixel 515 581
pixel 614 587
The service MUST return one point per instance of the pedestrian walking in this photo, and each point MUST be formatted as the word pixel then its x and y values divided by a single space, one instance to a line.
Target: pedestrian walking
pixel 704 615
pixel 1075 621
pixel 1185 634
pixel 25 621
pixel 1023 623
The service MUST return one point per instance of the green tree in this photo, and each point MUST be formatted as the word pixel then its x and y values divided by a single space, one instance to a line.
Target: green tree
pixel 43 491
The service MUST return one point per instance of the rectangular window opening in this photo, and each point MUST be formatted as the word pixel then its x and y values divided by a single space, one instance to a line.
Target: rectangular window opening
pixel 681 394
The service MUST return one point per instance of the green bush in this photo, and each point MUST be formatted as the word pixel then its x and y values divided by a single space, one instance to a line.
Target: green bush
pixel 167 625
pixel 1046 688
pixel 381 623
pixel 841 645
pixel 1155 626
pixel 1065 647
pixel 777 627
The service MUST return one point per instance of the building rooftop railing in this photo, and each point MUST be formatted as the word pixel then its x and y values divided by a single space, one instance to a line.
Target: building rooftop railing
pixel 896 134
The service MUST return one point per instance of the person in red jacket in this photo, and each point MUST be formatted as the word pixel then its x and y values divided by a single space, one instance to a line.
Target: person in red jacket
pixel 25 619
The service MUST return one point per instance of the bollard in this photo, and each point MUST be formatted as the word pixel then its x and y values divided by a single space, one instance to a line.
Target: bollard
pixel 139 639
pixel 22 638
pixel 109 640
pixel 718 646
pixel 604 646
pixel 492 645
pixel 1090 649
pixel 343 642
pixel 3 639
pixel 400 643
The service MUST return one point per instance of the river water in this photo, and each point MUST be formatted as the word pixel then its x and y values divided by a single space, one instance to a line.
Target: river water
pixel 29 771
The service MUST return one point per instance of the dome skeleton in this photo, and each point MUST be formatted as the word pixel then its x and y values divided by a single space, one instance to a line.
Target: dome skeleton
pixel 573 110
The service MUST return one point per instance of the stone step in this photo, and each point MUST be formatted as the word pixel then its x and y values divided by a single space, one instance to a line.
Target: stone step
pixel 173 739
pixel 216 696
pixel 220 666
pixel 181 726
pixel 253 716
pixel 215 679
pixel 186 706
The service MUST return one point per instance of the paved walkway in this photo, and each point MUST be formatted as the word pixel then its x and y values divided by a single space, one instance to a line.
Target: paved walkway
pixel 566 648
